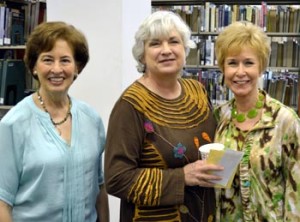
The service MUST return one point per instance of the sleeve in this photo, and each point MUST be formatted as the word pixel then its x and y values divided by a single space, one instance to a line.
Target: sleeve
pixel 291 148
pixel 123 175
pixel 10 168
pixel 101 156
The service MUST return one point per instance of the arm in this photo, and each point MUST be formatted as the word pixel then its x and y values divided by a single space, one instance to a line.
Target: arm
pixel 5 212
pixel 124 177
pixel 102 205
pixel 291 144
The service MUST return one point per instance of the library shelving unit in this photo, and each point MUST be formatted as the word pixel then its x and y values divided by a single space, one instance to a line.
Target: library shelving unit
pixel 17 19
pixel 279 19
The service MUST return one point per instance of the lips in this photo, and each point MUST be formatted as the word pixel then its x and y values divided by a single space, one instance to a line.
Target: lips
pixel 241 81
pixel 166 60
pixel 56 79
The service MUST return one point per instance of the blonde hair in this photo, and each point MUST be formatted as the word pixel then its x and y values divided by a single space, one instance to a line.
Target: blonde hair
pixel 239 35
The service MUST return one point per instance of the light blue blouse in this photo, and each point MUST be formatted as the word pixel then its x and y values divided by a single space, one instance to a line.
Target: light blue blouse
pixel 43 177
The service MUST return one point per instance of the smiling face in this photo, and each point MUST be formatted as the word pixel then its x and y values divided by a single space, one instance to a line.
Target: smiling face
pixel 241 72
pixel 56 68
pixel 164 56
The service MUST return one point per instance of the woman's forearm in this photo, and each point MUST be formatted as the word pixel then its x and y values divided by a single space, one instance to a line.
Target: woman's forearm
pixel 5 212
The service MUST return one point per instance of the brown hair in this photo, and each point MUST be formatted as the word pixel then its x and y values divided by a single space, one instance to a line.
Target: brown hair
pixel 44 37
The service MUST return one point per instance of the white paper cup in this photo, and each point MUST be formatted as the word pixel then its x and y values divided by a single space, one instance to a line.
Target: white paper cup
pixel 205 149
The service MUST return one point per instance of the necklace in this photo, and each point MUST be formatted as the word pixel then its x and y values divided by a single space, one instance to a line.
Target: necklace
pixel 45 109
pixel 251 114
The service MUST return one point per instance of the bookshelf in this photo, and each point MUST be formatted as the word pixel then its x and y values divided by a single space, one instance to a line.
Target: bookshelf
pixel 279 19
pixel 17 20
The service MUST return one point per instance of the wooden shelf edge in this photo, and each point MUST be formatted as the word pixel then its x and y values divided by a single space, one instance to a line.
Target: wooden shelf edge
pixel 12 47
pixel 4 107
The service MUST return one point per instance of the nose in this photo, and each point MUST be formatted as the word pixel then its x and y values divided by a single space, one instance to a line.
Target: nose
pixel 56 67
pixel 241 69
pixel 166 48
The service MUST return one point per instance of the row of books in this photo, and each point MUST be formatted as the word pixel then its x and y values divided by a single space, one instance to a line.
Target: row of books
pixel 213 18
pixel 285 52
pixel 281 85
pixel 18 19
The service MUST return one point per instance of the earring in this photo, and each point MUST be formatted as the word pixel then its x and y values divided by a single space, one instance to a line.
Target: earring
pixel 35 75
pixel 141 67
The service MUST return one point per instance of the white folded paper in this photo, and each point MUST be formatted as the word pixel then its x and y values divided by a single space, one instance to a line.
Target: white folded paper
pixel 229 159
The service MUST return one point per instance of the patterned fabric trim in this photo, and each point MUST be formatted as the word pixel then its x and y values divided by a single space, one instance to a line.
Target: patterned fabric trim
pixel 184 112
pixel 141 193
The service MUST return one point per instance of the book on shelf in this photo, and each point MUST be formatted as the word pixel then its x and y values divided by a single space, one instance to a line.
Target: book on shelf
pixel 212 13
pixel 296 53
pixel 280 89
pixel 291 19
pixel 280 15
pixel 272 20
pixel 17 28
pixel 208 51
pixel 271 87
pixel 1 71
pixel 201 18
pixel 12 86
pixel 202 51
pixel 207 16
pixel 194 19
pixel 2 23
pixel 7 27
pixel 279 60
pixel 290 52
pixel 192 57
pixel 274 49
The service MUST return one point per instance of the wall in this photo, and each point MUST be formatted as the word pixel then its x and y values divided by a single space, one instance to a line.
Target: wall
pixel 109 27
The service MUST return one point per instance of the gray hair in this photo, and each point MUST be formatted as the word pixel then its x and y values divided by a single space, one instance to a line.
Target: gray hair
pixel 158 24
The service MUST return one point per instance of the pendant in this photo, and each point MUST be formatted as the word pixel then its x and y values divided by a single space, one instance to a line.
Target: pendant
pixel 252 113
pixel 240 117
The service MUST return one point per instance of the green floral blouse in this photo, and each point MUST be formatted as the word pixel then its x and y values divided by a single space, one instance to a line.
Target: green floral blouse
pixel 266 186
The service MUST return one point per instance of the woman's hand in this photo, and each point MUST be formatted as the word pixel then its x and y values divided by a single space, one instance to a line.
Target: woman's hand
pixel 199 173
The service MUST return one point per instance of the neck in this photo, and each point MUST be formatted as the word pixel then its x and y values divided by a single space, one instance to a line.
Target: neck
pixel 251 112
pixel 244 104
pixel 166 88
pixel 58 115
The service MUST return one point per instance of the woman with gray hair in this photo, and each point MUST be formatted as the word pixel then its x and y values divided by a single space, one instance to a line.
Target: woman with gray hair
pixel 155 130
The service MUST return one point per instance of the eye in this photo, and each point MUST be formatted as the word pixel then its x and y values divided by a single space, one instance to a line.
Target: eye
pixel 249 63
pixel 65 60
pixel 47 60
pixel 231 63
pixel 174 41
pixel 154 43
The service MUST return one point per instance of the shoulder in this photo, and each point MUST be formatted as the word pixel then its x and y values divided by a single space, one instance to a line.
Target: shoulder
pixel 21 112
pixel 193 88
pixel 223 111
pixel 85 109
pixel 192 83
pixel 278 110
